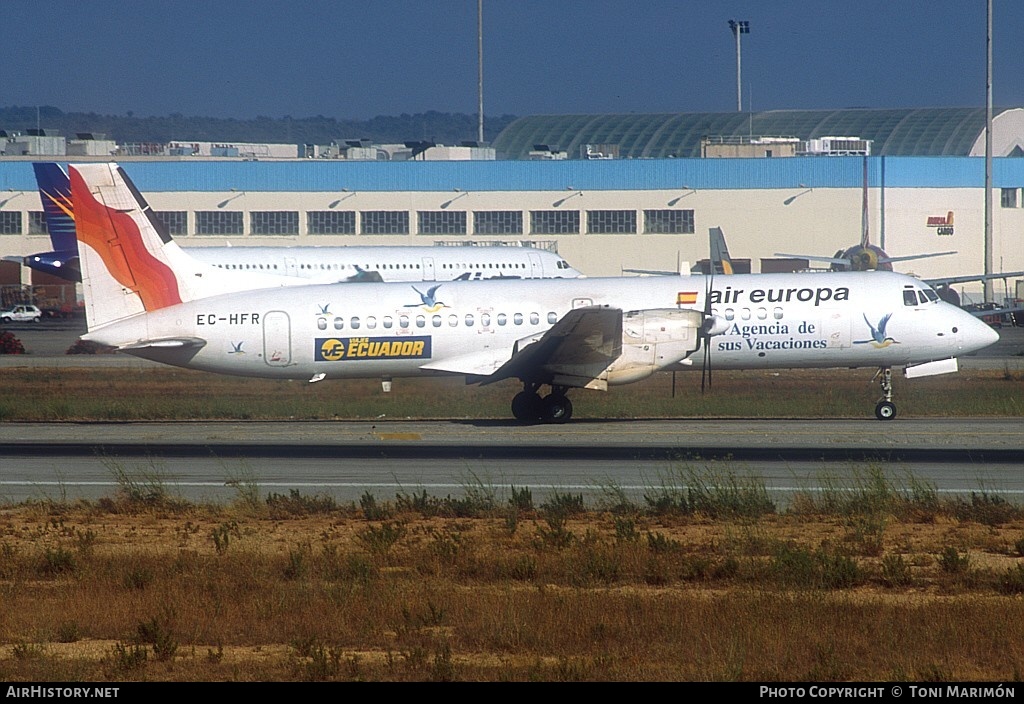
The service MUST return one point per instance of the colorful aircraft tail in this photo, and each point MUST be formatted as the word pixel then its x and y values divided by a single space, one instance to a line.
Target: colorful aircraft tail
pixel 129 262
pixel 55 193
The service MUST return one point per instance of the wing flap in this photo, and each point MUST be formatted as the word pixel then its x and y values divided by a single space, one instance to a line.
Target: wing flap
pixel 581 344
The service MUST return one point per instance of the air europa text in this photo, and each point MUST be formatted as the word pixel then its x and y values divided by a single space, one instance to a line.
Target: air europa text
pixel 818 296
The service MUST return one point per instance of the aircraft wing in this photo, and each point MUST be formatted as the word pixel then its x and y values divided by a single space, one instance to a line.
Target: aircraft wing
pixel 584 341
pixel 969 278
pixel 652 272
pixel 482 363
pixel 907 258
pixel 813 257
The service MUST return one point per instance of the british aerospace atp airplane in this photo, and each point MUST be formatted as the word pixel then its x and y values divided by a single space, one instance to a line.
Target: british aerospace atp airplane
pixel 314 264
pixel 146 297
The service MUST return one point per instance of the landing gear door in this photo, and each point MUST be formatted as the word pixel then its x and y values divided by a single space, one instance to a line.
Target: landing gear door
pixel 277 339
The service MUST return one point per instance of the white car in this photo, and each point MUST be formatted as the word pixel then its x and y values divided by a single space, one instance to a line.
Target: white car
pixel 21 313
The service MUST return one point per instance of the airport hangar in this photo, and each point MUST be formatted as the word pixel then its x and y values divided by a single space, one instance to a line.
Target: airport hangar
pixel 615 192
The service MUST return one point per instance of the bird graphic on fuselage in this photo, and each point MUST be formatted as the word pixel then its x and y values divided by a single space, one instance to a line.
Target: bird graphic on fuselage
pixel 878 337
pixel 428 301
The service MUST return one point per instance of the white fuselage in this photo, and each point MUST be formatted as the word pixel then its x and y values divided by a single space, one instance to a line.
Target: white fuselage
pixel 404 263
pixel 392 330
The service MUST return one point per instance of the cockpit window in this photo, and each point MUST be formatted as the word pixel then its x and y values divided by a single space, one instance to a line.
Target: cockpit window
pixel 909 297
pixel 932 296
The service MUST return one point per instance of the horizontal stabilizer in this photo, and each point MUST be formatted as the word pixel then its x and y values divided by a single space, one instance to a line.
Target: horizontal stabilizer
pixel 164 344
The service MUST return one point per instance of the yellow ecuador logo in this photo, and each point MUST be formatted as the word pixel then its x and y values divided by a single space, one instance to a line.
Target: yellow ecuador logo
pixel 334 349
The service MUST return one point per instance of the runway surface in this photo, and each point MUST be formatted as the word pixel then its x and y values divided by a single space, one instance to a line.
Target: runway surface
pixel 216 460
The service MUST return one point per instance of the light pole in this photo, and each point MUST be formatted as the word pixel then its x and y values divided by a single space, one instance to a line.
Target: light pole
pixel 739 27
pixel 480 71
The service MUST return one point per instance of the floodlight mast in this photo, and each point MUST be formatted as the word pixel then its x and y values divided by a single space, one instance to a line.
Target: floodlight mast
pixel 739 27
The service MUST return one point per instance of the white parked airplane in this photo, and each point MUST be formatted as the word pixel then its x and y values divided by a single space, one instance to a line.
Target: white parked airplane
pixel 319 264
pixel 146 297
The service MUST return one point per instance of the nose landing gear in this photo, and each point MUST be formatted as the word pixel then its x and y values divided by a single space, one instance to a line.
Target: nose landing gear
pixel 886 409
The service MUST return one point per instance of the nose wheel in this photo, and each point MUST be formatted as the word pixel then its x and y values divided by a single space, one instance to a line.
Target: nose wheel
pixel 886 409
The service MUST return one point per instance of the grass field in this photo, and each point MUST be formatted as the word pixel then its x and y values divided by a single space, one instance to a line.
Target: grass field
pixel 707 581
pixel 711 583
pixel 166 393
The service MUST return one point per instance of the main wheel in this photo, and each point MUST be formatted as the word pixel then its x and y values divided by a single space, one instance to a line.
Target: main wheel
pixel 526 407
pixel 556 408
pixel 885 410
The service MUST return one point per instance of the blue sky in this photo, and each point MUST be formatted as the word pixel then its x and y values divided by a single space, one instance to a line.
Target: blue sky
pixel 359 58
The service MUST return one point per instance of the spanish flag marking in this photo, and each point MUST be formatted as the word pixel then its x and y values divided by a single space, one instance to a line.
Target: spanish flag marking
pixel 686 298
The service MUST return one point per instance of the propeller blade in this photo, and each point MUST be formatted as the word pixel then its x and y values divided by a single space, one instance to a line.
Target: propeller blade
pixel 705 333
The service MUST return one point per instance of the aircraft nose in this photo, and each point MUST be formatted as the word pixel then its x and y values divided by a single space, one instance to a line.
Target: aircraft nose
pixel 976 334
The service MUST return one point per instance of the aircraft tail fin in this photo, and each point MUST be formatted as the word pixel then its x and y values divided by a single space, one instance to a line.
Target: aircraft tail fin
pixel 129 262
pixel 720 259
pixel 58 208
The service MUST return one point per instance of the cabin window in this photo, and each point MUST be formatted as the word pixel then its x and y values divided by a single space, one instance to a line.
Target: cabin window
pixel 403 321
pixel 421 321
pixel 339 323
pixel 534 318
pixel 371 323
pixel 777 313
pixel 485 319
pixel 502 318
pixel 354 323
pixel 388 321
pixel 436 321
pixel 453 320
pixel 552 317
pixel 730 314
pixel 321 323
pixel 745 313
pixel 762 313
pixel 469 320
pixel 517 318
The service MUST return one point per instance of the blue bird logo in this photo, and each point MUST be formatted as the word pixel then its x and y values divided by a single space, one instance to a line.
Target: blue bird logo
pixel 879 339
pixel 236 348
pixel 428 300
pixel 324 309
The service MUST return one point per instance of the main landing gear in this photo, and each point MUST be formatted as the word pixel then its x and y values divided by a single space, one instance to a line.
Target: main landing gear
pixel 529 407
pixel 886 409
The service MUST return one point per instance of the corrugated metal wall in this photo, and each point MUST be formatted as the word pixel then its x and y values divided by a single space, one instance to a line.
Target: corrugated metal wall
pixel 624 174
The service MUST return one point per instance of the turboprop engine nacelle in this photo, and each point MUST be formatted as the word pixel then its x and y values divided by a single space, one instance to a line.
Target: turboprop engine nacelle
pixel 652 340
